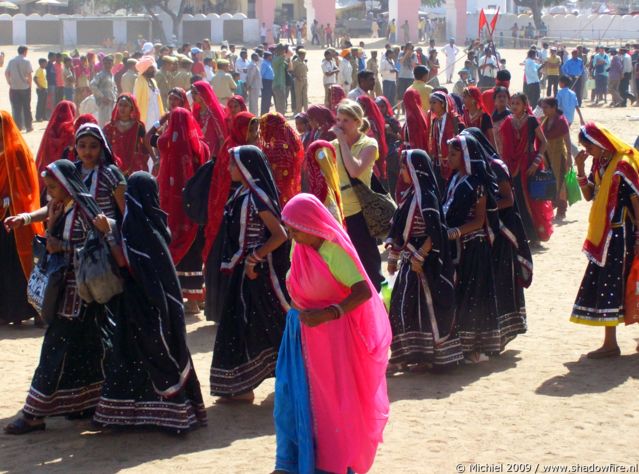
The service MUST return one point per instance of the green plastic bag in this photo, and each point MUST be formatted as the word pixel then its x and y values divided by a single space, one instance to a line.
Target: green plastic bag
pixel 572 187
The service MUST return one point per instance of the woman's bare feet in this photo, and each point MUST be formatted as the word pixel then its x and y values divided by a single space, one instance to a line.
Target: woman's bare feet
pixel 605 352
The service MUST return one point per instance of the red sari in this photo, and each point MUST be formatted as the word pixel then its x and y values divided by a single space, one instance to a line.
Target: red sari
pixel 416 127
pixel 337 94
pixel 221 182
pixel 182 151
pixel 377 131
pixel 518 152
pixel 482 119
pixel 211 120
pixel 325 120
pixel 57 137
pixel 440 130
pixel 128 145
pixel 285 152
pixel 228 115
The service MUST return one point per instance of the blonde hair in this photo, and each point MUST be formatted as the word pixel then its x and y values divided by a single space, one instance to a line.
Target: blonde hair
pixel 354 111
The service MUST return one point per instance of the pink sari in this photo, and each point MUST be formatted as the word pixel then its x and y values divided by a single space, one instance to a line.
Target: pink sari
pixel 345 359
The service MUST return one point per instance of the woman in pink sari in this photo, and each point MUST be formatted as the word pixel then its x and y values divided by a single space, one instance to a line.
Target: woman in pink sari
pixel 331 404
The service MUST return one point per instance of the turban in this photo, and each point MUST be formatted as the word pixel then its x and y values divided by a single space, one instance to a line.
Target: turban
pixel 147 48
pixel 145 63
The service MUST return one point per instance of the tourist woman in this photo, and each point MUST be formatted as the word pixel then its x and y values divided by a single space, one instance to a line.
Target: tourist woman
pixel 209 115
pixel 443 124
pixel 422 309
pixel 512 260
pixel 611 240
pixel 182 151
pixel 150 378
pixel 125 133
pixel 523 148
pixel 256 258
pixel 321 178
pixel 244 131
pixel 331 404
pixel 356 156
pixel 321 120
pixel 557 132
pixel 20 196
pixel 471 215
pixel 69 376
pixel 285 152
pixel 501 98
pixel 474 113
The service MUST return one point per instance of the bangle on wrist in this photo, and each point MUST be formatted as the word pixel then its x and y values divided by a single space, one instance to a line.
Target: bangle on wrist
pixel 338 310
pixel 256 256
pixel 26 218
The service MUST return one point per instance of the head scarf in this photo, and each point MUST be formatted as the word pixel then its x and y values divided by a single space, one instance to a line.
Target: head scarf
pixel 135 112
pixel 182 152
pixel 82 119
pixel 285 153
pixel 325 120
pixel 416 124
pixel 216 130
pixel 336 94
pixel 323 178
pixel 69 177
pixel 19 182
pixel 624 164
pixel 475 93
pixel 57 136
pixel 377 130
pixel 236 98
pixel 256 172
pixel 389 108
pixel 221 181
pixel 181 93
pixel 349 413
pixel 157 314
pixel 92 130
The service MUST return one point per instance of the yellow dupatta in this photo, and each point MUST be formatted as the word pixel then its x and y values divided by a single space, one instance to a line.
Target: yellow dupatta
pixel 325 158
pixel 141 93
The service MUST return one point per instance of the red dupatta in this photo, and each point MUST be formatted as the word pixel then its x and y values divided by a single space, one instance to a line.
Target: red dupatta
pixel 58 136
pixel 377 131
pixel 221 181
pixel 518 152
pixel 337 94
pixel 211 120
pixel 416 124
pixel 228 115
pixel 182 151
pixel 128 146
pixel 285 152
pixel 325 120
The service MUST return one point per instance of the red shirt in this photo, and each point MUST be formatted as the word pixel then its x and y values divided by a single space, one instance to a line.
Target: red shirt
pixel 198 68
pixel 59 77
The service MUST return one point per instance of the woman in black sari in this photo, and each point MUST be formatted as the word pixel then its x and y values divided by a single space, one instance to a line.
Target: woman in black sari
pixel 255 259
pixel 422 310
pixel 471 214
pixel 512 260
pixel 150 378
pixel 69 376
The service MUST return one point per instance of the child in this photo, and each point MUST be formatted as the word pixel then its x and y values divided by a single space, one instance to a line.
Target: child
pixel 40 79
pixel 241 85
pixel 567 100
pixel 69 79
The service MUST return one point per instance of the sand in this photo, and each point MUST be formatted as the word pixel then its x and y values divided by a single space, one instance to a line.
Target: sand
pixel 540 403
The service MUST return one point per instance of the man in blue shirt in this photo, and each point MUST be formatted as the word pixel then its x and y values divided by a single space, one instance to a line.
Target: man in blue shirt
pixel 567 101
pixel 574 69
pixel 601 63
pixel 267 82
pixel 532 86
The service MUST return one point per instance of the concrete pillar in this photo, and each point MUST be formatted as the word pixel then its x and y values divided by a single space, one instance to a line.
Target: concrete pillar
pixel 19 29
pixel 320 10
pixel 456 21
pixel 120 27
pixel 409 11
pixel 69 32
pixel 265 12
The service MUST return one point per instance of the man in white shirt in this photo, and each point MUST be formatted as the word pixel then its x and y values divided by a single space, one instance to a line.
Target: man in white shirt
pixel 450 51
pixel 365 85
pixel 263 32
pixel 389 73
pixel 487 68
pixel 625 78
pixel 19 77
pixel 345 71
pixel 330 71
pixel 253 83
pixel 242 64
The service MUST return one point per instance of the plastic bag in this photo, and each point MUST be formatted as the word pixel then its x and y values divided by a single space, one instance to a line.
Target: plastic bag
pixel 572 187
pixel 631 306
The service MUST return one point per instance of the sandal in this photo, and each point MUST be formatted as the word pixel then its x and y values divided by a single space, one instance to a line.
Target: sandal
pixel 604 353
pixel 21 426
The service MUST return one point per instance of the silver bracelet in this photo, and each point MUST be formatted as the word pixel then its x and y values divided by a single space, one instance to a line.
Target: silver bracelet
pixel 339 309
pixel 26 217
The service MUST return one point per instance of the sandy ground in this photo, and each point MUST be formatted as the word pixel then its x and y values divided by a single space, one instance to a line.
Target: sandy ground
pixel 541 402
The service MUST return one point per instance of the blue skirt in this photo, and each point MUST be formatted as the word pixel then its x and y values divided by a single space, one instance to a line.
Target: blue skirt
pixel 293 420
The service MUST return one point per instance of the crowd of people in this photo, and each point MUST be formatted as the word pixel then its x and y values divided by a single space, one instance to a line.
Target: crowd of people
pixel 205 204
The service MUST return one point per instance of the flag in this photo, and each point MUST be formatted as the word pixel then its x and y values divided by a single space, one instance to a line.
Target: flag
pixel 493 23
pixel 482 22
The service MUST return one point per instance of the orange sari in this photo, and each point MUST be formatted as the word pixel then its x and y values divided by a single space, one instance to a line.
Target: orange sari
pixel 19 181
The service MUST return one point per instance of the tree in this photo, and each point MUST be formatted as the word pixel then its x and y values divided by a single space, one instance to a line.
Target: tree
pixel 535 7
pixel 150 7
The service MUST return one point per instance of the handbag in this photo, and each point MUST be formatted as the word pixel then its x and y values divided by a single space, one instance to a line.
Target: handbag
pixel 195 195
pixel 46 280
pixel 572 187
pixel 97 276
pixel 377 205
pixel 543 184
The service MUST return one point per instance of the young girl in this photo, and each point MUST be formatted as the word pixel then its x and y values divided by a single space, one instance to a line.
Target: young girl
pixel 209 114
pixel 69 376
pixel 255 259
pixel 471 215
pixel 393 134
pixel 150 378
pixel 524 144
pixel 501 99
pixel 331 404
pixel 422 310
pixel 321 120
pixel 443 124
pixel 474 113
pixel 125 133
